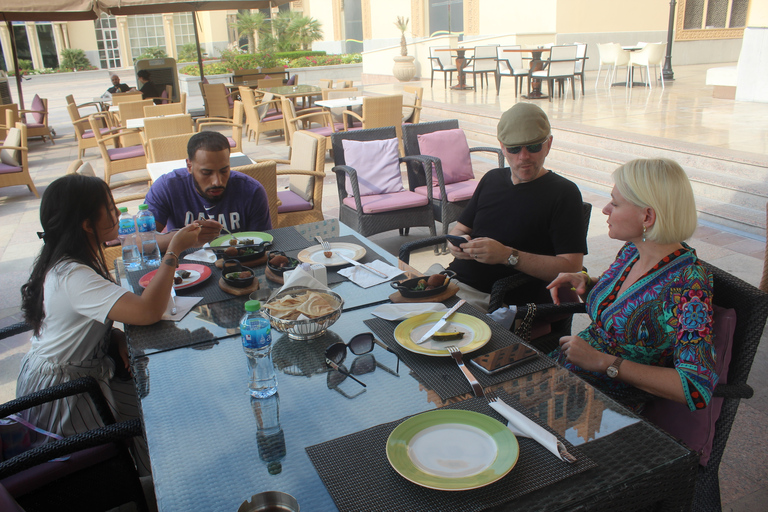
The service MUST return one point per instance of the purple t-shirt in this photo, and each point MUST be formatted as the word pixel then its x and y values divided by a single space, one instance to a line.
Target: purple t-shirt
pixel 175 202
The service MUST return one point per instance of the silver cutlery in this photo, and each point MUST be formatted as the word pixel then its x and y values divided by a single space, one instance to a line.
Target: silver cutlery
pixel 325 245
pixel 366 267
pixel 173 299
pixel 440 323
pixel 490 396
pixel 456 355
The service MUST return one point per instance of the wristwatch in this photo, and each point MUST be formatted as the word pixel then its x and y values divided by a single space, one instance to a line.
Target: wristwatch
pixel 513 258
pixel 613 370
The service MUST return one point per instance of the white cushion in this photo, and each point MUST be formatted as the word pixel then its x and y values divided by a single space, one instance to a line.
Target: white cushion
pixel 409 102
pixel 86 170
pixel 303 157
pixel 11 156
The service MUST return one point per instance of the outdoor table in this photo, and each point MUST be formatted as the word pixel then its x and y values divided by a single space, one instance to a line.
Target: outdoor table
pixel 460 62
pixel 139 121
pixel 294 91
pixel 212 446
pixel 157 169
pixel 341 102
pixel 630 69
pixel 536 65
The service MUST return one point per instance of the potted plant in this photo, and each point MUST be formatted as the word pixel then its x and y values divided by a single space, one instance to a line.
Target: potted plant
pixel 404 69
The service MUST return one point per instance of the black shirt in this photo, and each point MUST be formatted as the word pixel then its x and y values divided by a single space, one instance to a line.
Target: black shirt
pixel 149 91
pixel 119 88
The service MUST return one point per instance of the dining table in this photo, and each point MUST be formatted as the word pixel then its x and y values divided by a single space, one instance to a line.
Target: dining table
pixel 157 169
pixel 537 64
pixel 308 92
pixel 138 122
pixel 327 440
pixel 461 61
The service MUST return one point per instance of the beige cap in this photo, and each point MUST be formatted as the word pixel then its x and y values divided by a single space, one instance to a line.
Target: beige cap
pixel 524 123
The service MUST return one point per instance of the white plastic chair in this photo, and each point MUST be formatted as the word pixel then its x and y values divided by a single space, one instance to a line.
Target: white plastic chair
pixel 510 64
pixel 580 64
pixel 651 55
pixel 613 55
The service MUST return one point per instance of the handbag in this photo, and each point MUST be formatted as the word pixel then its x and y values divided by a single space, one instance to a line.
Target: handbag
pixel 523 330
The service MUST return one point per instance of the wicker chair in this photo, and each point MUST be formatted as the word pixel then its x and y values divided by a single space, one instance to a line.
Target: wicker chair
pixel 99 473
pixel 265 173
pixel 95 104
pixel 236 122
pixel 124 97
pixel 168 109
pixel 218 103
pixel 304 121
pixel 378 112
pixel 262 116
pixel 118 160
pixel 173 147
pixel 155 127
pixel 446 210
pixel 18 174
pixel 83 132
pixel 266 83
pixel 132 110
pixel 9 116
pixel 356 211
pixel 412 110
pixel 38 127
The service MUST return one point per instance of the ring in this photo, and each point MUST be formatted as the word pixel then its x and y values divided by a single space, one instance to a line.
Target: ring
pixel 475 256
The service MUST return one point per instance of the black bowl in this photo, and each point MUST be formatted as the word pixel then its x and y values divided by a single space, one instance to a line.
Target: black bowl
pixel 233 266
pixel 278 271
pixel 252 252
pixel 406 288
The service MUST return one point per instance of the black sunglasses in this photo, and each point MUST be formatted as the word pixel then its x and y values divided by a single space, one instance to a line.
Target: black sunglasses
pixel 359 344
pixel 531 148
pixel 361 365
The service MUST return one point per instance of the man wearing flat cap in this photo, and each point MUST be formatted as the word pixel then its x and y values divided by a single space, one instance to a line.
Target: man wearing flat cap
pixel 521 218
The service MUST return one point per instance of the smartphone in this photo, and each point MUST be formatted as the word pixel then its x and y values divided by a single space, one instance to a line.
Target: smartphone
pixel 456 241
pixel 504 358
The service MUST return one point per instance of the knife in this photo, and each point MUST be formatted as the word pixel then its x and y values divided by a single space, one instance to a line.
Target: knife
pixel 440 323
pixel 366 267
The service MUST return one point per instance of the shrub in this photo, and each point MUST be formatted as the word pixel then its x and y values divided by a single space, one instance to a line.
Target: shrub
pixel 25 65
pixel 74 58
pixel 154 52
pixel 325 60
pixel 297 54
pixel 216 68
pixel 188 52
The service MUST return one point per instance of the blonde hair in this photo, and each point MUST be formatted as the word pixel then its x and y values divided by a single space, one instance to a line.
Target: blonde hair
pixel 660 184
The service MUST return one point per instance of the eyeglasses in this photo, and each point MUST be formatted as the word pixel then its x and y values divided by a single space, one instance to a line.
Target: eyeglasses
pixel 531 148
pixel 361 365
pixel 359 344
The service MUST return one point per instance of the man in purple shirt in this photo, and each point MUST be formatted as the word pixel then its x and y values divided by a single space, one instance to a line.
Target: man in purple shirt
pixel 209 193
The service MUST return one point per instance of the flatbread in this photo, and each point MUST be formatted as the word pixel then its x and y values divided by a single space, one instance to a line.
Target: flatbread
pixel 310 304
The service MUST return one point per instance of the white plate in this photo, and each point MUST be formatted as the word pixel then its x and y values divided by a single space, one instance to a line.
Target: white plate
pixel 315 254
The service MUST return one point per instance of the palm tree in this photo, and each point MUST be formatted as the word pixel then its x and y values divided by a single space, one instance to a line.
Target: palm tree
pixel 249 24
pixel 307 30
pixel 285 36
pixel 402 26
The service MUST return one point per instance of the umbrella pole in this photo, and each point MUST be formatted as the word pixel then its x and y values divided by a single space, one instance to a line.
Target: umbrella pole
pixel 16 65
pixel 197 43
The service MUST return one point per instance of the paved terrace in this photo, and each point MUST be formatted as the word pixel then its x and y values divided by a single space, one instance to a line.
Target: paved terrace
pixel 684 111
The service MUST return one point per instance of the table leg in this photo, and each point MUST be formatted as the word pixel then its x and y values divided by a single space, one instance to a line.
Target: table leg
pixel 536 65
pixel 460 61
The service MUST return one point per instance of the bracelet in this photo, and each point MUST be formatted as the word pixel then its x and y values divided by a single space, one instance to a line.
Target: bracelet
pixel 589 279
pixel 171 253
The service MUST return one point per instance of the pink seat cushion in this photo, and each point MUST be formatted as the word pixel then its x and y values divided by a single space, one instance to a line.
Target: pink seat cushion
pixel 377 165
pixel 8 169
pixel 274 117
pixel 451 147
pixel 232 142
pixel 37 104
pixel 123 153
pixel 88 134
pixel 291 81
pixel 461 191
pixel 35 125
pixel 697 428
pixel 292 202
pixel 388 202
pixel 33 478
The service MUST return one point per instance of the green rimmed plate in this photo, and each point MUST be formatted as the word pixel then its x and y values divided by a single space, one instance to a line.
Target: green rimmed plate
pixel 257 237
pixel 408 332
pixel 452 450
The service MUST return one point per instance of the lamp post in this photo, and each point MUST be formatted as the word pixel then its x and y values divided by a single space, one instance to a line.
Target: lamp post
pixel 667 72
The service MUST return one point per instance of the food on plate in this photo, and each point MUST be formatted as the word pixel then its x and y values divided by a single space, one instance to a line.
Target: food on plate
pixel 177 280
pixel 447 336
pixel 231 251
pixel 239 275
pixel 279 261
pixel 328 254
pixel 421 285
pixel 309 303
pixel 180 275
pixel 233 241
pixel 436 280
pixel 246 241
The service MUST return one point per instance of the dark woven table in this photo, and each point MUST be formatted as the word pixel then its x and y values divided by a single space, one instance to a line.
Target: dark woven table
pixel 366 481
pixel 209 289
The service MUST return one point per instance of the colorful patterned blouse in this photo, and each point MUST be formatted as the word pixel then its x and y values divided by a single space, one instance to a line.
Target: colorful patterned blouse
pixel 663 319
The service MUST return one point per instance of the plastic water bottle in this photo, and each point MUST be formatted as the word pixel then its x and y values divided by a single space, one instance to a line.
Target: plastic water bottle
pixel 127 234
pixel 257 343
pixel 147 230
pixel 270 438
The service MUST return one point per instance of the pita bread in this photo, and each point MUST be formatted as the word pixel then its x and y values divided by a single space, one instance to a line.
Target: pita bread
pixel 310 304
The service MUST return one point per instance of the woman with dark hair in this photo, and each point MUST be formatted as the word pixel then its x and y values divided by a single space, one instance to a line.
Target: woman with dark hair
pixel 70 301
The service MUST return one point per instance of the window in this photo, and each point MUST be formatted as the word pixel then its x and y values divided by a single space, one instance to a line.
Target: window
pixel 106 42
pixel 711 19
pixel 446 17
pixel 184 28
pixel 145 31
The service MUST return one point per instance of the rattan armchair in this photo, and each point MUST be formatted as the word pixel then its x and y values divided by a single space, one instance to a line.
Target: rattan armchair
pixel 9 115
pixel 168 109
pixel 124 97
pixel 172 147
pixel 132 110
pixel 99 473
pixel 262 116
pixel 12 175
pixel 38 127
pixel 235 122
pixel 118 160
pixel 83 131
pixel 70 99
pixel 412 109
pixel 156 127
pixel 265 173
pixel 317 115
pixel 362 213
pixel 218 102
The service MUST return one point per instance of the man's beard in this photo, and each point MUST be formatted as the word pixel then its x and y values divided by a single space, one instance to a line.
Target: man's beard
pixel 210 198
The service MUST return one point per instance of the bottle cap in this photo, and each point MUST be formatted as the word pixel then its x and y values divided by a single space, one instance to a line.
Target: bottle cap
pixel 143 206
pixel 123 209
pixel 252 305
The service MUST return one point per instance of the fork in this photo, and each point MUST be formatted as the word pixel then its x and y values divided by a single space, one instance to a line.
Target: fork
pixel 456 355
pixel 325 245
pixel 490 396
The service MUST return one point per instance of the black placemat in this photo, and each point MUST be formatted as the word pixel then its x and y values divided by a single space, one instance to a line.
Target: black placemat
pixel 357 474
pixel 209 289
pixel 288 239
pixel 370 255
pixel 442 374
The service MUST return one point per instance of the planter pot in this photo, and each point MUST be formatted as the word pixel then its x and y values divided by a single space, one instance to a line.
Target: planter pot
pixel 404 69
pixel 188 83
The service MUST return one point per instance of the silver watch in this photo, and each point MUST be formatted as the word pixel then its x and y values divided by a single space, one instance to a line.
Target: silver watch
pixel 514 258
pixel 613 370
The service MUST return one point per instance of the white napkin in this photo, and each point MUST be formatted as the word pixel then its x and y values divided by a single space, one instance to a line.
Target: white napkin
pixel 183 305
pixel 521 425
pixel 300 277
pixel 365 279
pixel 505 316
pixel 406 310
pixel 203 255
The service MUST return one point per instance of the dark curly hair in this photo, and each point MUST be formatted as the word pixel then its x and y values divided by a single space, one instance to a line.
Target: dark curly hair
pixel 67 203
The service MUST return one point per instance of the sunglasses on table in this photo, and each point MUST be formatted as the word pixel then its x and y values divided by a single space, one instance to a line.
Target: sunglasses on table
pixel 359 344
pixel 531 148
pixel 361 365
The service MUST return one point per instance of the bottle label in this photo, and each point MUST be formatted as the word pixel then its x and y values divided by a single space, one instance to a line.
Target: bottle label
pixel 255 337
pixel 126 227
pixel 146 223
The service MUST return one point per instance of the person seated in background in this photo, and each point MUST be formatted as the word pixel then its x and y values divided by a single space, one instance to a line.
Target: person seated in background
pixel 117 87
pixel 523 218
pixel 206 191
pixel 651 311
pixel 70 300
pixel 147 88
